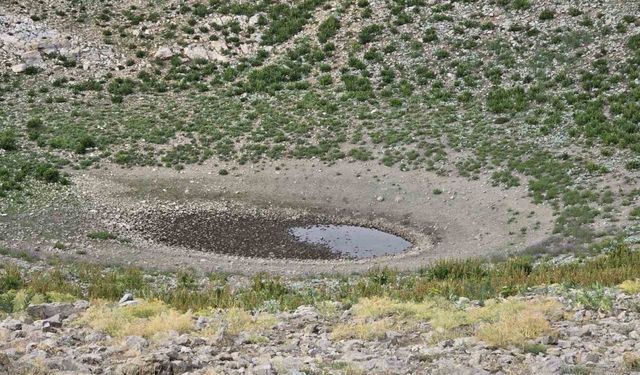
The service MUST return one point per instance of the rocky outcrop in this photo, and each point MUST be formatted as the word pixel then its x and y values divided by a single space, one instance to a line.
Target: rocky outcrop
pixel 27 43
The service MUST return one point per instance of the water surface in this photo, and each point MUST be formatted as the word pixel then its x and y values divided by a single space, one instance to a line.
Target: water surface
pixel 351 241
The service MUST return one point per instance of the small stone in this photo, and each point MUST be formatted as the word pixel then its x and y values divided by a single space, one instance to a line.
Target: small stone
pixel 19 68
pixel 163 53
pixel 129 303
pixel 125 298
pixel 380 198
pixel 54 321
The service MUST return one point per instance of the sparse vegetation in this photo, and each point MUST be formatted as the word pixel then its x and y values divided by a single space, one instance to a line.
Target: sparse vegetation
pixel 146 319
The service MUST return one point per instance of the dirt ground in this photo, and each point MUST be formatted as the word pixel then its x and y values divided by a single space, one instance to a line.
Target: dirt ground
pixel 467 219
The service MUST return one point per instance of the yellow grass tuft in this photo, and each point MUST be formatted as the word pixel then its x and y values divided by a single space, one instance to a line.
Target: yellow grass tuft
pixel 630 286
pixel 499 323
pixel 514 329
pixel 514 322
pixel 380 307
pixel 147 319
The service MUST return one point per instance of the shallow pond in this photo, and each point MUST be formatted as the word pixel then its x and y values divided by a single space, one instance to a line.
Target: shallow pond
pixel 351 241
pixel 267 237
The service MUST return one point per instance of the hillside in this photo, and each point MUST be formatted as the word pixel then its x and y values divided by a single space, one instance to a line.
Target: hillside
pixel 170 149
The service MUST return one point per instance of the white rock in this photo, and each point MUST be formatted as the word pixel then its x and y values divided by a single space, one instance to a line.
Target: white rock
pixel 196 52
pixel 163 53
pixel 127 297
pixel 19 68
pixel 253 20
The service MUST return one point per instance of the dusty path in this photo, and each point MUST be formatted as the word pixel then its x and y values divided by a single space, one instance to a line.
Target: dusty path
pixel 468 218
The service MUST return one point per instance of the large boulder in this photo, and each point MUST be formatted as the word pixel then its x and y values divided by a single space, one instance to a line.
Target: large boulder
pixel 47 310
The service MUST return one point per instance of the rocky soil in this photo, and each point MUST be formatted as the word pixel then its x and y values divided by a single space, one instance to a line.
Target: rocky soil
pixel 47 339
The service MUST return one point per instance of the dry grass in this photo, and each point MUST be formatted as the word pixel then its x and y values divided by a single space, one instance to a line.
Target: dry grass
pixel 499 323
pixel 438 311
pixel 374 316
pixel 147 319
pixel 514 322
pixel 380 307
pixel 631 361
pixel 514 329
pixel 630 286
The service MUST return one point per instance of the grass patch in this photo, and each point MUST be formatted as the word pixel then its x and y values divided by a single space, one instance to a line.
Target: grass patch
pixel 514 322
pixel 146 319
pixel 499 323
pixel 379 293
pixel 630 286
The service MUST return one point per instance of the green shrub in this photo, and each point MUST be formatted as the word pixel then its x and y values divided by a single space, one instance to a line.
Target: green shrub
pixel 121 87
pixel 546 14
pixel 287 21
pixel 361 154
pixel 507 100
pixel 359 86
pixel 430 35
pixel 369 33
pixel 83 143
pixel 634 42
pixel 328 28
pixel 88 85
pixel 455 269
pixel 8 140
pixel 11 279
pixel 635 213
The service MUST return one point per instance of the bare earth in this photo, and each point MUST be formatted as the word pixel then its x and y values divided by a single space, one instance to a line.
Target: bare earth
pixel 468 219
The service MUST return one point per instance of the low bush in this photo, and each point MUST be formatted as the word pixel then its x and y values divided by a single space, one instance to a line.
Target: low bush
pixel 328 28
